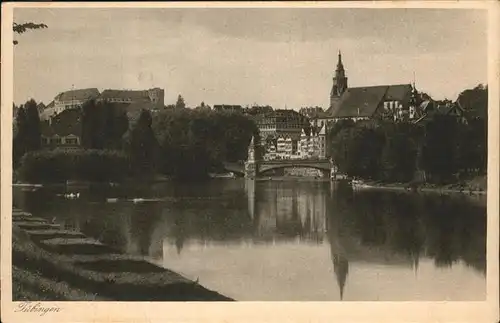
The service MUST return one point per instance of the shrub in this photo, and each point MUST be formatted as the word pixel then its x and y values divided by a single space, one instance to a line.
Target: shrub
pixel 61 165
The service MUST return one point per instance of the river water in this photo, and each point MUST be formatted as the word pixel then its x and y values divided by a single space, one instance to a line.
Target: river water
pixel 288 240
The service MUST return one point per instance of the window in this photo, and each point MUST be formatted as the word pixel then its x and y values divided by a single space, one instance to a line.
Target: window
pixel 71 141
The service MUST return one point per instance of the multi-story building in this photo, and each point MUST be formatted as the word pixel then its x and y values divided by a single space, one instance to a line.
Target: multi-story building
pixel 397 101
pixel 280 132
pixel 283 134
pixel 134 100
pixel 63 130
pixel 68 100
pixel 155 97
pixel 314 144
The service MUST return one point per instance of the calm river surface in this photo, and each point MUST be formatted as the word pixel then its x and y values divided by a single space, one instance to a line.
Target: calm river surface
pixel 289 240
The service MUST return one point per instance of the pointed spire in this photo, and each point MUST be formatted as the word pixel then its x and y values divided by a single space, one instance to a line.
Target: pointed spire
pixel 340 66
pixel 341 269
pixel 415 259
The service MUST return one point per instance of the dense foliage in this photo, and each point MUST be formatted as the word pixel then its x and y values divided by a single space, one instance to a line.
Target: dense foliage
pixel 194 142
pixel 61 165
pixel 444 148
pixel 143 146
pixel 103 125
pixel 24 27
pixel 27 136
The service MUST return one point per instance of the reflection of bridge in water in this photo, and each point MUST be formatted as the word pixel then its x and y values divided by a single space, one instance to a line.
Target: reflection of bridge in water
pixel 262 166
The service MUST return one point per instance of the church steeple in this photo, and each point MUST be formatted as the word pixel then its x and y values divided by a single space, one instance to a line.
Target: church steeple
pixel 339 82
pixel 341 269
pixel 340 66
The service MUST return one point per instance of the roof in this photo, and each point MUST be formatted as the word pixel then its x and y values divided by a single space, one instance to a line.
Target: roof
pixel 360 101
pixel 47 112
pixel 399 92
pixel 41 106
pixel 80 95
pixel 64 124
pixel 125 94
pixel 364 101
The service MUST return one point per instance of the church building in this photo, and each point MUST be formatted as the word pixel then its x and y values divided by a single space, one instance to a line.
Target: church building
pixel 398 102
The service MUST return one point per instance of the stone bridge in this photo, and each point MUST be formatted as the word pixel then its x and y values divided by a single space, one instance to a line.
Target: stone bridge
pixel 256 168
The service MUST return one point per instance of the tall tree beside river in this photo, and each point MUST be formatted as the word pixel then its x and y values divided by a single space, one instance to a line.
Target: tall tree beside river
pixel 103 125
pixel 143 146
pixel 28 133
pixel 194 142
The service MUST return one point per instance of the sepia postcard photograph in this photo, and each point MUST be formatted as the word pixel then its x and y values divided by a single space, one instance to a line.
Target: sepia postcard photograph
pixel 264 162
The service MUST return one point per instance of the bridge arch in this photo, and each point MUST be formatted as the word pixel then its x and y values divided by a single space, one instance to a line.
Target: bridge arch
pixel 266 168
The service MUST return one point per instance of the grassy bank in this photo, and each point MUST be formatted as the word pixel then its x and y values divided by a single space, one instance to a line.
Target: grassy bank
pixel 51 264
pixel 474 186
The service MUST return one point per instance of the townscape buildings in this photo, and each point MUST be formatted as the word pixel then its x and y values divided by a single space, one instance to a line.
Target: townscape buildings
pixel 61 118
pixel 284 133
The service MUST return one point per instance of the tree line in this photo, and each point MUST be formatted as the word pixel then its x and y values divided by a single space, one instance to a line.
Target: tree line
pixel 179 143
pixel 441 149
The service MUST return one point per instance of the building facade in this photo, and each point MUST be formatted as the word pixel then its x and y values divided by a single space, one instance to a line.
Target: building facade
pixel 396 102
pixel 68 100
pixel 63 131
pixel 155 97
pixel 287 134
pixel 134 99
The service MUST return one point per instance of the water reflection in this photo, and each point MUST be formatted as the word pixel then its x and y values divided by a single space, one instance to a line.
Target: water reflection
pixel 285 226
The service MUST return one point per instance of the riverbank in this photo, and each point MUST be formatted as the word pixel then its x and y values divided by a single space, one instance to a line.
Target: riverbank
pixel 53 264
pixel 475 186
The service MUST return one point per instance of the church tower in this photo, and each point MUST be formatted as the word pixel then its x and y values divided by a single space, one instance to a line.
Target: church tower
pixel 339 82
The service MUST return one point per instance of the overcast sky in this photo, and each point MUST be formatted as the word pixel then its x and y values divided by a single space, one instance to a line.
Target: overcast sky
pixel 244 56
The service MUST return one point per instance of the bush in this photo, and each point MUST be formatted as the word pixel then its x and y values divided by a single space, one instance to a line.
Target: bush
pixel 61 165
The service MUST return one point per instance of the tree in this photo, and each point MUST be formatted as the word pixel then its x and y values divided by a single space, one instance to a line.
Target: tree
pixel 203 107
pixel 356 151
pixel 103 125
pixel 475 102
pixel 115 124
pixel 33 132
pixel 399 154
pixel 440 147
pixel 180 104
pixel 143 146
pixel 24 27
pixel 19 143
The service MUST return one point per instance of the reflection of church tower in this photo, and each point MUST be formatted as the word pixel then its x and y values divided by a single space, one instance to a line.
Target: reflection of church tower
pixel 337 250
pixel 179 232
pixel 341 269
pixel 250 190
pixel 339 83
pixel 179 243
pixel 251 165
pixel 416 259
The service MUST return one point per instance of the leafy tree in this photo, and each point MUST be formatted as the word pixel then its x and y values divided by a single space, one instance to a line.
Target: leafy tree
pixel 19 143
pixel 103 125
pixel 356 151
pixel 399 154
pixel 475 101
pixel 143 146
pixel 440 149
pixel 180 104
pixel 24 27
pixel 203 106
pixel 33 138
